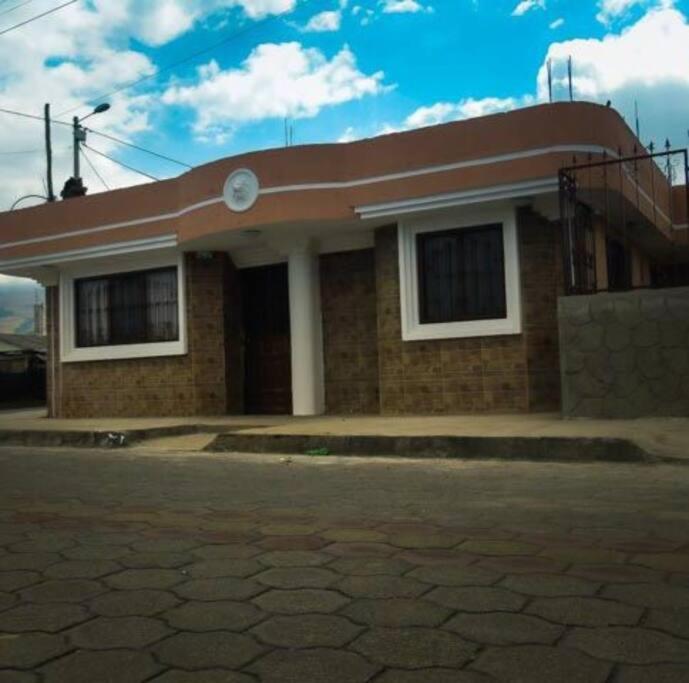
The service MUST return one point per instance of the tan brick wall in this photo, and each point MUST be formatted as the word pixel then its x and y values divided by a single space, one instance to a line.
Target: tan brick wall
pixel 52 367
pixel 348 296
pixel 513 373
pixel 542 283
pixel 234 341
pixel 193 384
pixel 368 368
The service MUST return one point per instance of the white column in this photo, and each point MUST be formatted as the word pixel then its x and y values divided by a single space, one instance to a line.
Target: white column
pixel 306 331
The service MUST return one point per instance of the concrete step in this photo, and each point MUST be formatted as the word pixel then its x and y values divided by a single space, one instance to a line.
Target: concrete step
pixel 555 449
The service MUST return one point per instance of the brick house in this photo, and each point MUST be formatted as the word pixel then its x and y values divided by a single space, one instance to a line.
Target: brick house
pixel 417 272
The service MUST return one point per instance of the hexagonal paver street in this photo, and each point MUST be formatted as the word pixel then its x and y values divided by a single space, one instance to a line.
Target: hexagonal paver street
pixel 132 566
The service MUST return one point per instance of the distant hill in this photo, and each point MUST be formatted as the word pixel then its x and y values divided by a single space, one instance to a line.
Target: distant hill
pixel 17 299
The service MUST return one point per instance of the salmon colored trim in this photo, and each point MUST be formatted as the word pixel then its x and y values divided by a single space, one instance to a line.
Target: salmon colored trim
pixel 326 182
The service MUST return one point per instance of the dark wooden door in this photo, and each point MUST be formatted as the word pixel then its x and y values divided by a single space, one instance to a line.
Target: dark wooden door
pixel 267 355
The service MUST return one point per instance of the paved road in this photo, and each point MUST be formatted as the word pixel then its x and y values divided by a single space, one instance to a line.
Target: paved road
pixel 125 566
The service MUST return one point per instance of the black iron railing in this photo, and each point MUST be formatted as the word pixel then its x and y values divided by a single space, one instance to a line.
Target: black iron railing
pixel 609 204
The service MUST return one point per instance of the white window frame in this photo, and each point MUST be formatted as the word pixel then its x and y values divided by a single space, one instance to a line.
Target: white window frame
pixel 408 229
pixel 70 353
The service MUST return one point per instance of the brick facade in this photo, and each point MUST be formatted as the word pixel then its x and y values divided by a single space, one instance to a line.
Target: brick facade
pixel 486 374
pixel 198 383
pixel 542 283
pixel 368 368
pixel 350 349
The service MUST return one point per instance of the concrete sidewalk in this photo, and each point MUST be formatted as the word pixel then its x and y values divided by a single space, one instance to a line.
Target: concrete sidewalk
pixel 663 438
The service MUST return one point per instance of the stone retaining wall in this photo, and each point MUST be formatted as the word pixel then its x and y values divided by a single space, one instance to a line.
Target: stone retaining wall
pixel 625 354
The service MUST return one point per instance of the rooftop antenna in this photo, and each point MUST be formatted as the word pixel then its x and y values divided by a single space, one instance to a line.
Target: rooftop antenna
pixel 569 78
pixel 289 132
pixel 636 119
pixel 550 80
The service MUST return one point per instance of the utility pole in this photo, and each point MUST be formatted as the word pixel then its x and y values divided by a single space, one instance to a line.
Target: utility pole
pixel 48 153
pixel 74 187
pixel 79 135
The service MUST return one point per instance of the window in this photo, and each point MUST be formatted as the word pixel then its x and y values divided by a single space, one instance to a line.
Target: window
pixel 130 308
pixel 619 266
pixel 461 275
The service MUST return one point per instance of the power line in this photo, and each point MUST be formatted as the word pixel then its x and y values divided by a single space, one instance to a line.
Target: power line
pixel 22 151
pixel 11 9
pixel 177 63
pixel 33 116
pixel 141 149
pixel 121 163
pixel 93 168
pixel 38 16
pixel 97 132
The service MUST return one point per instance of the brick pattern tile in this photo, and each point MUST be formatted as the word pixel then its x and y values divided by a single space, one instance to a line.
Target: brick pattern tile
pixel 490 374
pixel 348 300
pixel 203 382
pixel 368 368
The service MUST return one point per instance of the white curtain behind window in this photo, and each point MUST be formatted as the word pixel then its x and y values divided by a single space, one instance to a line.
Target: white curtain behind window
pixel 93 313
pixel 161 292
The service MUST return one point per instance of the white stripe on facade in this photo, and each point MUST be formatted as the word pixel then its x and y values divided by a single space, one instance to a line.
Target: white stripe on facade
pixel 160 242
pixel 115 226
pixel 482 161
pixel 583 149
pixel 442 201
pixel 503 158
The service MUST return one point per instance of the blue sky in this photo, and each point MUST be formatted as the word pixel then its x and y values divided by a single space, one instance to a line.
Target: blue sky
pixel 446 52
pixel 339 69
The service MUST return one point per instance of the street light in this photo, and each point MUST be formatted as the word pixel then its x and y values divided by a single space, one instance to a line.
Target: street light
pixel 74 187
pixel 103 107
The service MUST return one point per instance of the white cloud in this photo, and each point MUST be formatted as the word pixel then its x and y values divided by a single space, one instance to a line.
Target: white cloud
pixel 610 10
pixel 558 23
pixel 645 62
pixel 402 7
pixel 442 112
pixel 156 22
pixel 364 15
pixel 324 21
pixel 275 81
pixel 348 135
pixel 83 51
pixel 527 6
pixel 73 61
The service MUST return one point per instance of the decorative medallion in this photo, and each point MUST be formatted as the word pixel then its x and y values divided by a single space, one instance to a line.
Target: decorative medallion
pixel 241 189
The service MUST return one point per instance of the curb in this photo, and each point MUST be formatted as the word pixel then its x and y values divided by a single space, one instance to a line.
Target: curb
pixel 107 438
pixel 538 449
pixel 543 449
pixel 93 439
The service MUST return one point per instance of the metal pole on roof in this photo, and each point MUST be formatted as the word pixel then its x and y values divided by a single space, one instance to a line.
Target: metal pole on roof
pixel 569 76
pixel 78 135
pixel 48 153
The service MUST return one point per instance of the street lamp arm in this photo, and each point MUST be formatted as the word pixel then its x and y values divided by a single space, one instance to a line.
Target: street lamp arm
pixel 27 196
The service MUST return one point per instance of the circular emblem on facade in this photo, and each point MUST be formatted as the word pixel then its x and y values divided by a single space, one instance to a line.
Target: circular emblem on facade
pixel 241 189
